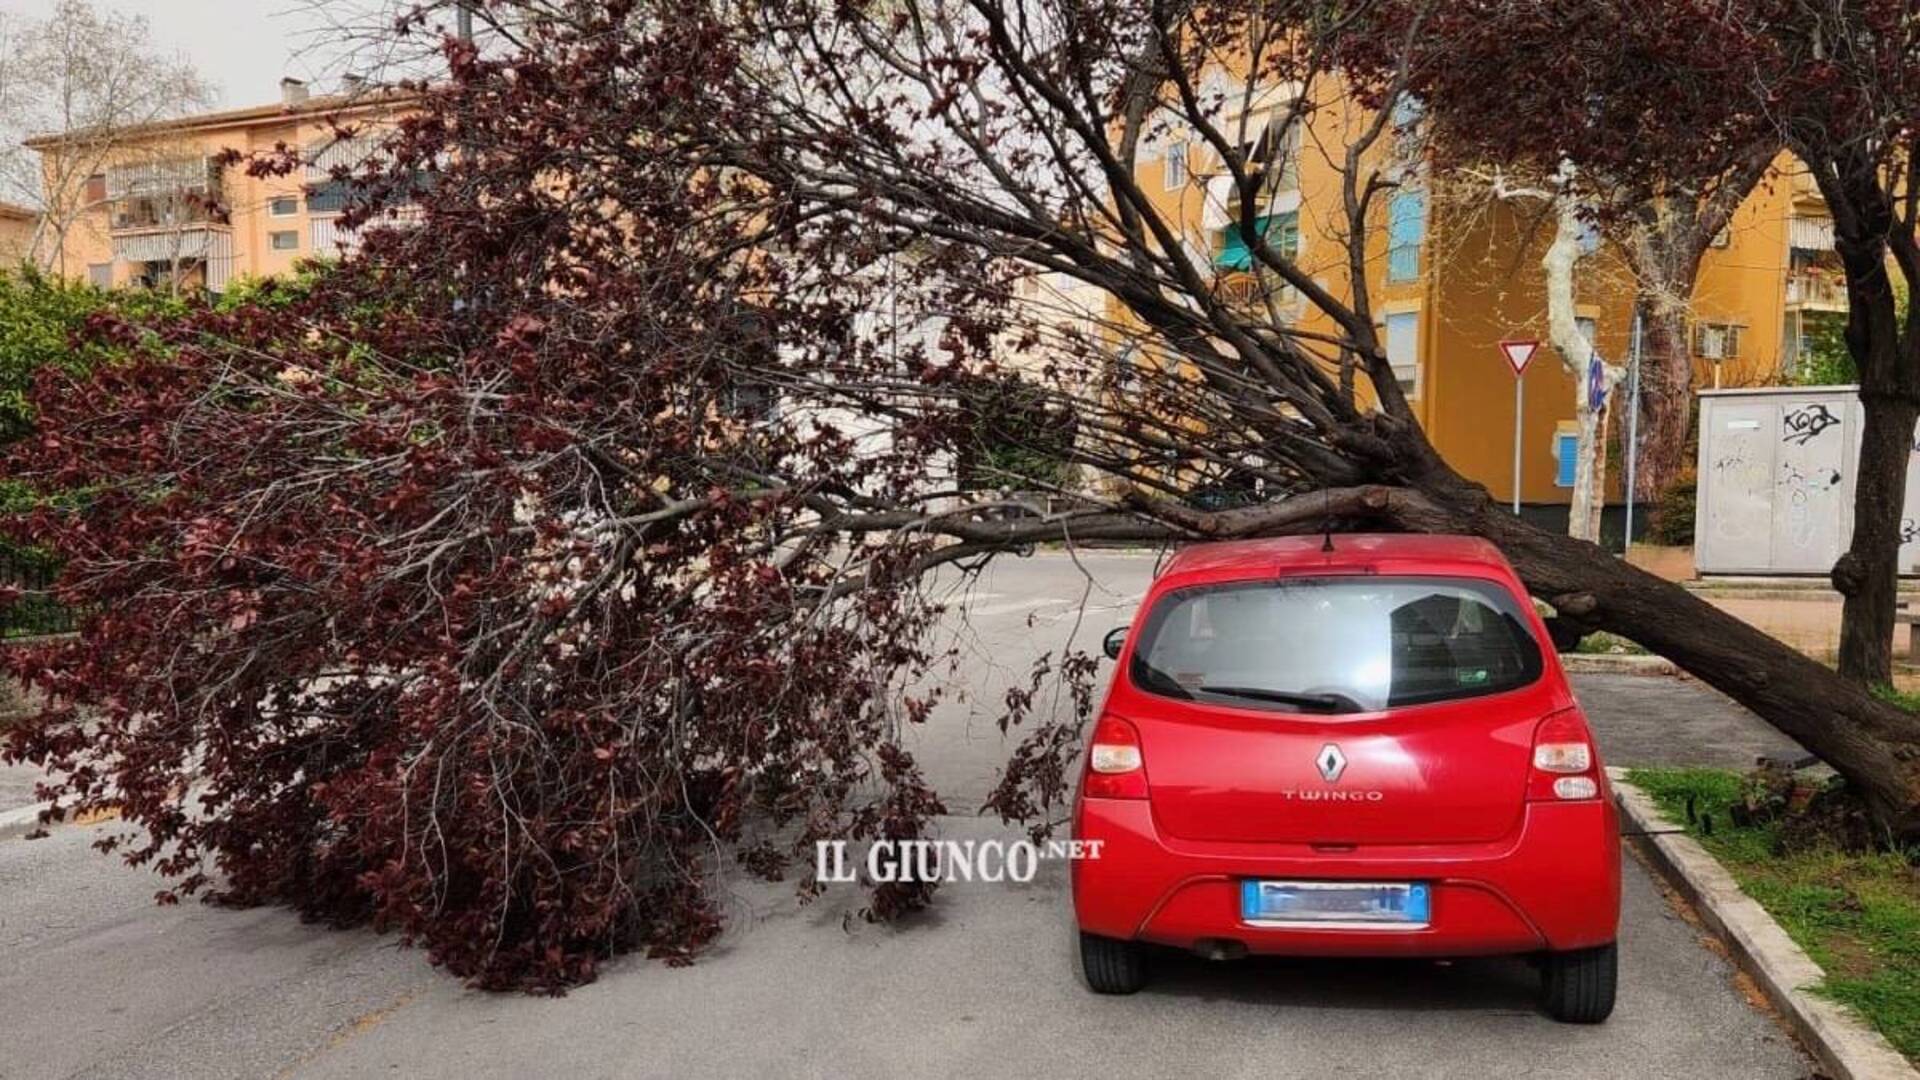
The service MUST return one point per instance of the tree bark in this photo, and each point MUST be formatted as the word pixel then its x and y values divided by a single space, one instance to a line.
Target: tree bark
pixel 1576 353
pixel 1666 397
pixel 1868 575
pixel 1874 745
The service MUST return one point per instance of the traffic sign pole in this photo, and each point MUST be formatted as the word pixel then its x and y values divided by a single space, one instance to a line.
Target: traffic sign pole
pixel 1519 404
pixel 1633 429
pixel 1518 353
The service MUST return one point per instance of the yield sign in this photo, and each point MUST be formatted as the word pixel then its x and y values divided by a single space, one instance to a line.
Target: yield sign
pixel 1519 352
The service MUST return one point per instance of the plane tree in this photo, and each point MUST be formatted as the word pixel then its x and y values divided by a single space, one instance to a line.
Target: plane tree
pixel 1676 110
pixel 1544 88
pixel 583 527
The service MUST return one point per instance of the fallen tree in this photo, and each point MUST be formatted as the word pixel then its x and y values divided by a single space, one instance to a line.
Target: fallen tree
pixel 493 584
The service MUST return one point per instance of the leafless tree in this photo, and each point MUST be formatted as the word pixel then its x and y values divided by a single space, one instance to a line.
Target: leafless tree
pixel 94 78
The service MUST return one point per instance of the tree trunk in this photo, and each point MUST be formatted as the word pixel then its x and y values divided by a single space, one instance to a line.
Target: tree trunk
pixel 1576 352
pixel 1874 745
pixel 1666 397
pixel 1868 575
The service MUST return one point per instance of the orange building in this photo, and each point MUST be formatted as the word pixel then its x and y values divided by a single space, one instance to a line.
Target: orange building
pixel 1767 284
pixel 1451 272
pixel 161 210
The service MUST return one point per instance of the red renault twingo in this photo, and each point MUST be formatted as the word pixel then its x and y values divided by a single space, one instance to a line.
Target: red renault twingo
pixel 1362 751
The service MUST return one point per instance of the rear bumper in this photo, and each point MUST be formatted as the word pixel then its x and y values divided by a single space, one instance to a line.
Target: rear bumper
pixel 1554 884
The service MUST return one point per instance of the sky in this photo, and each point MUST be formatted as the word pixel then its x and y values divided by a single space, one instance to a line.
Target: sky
pixel 244 47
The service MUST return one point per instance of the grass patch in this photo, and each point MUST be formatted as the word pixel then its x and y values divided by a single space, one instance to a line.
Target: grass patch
pixel 1601 643
pixel 1893 695
pixel 1858 916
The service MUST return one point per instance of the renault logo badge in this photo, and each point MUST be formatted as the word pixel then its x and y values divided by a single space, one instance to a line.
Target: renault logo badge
pixel 1331 763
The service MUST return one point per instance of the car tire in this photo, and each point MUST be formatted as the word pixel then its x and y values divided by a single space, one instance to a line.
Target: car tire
pixel 1112 967
pixel 1578 987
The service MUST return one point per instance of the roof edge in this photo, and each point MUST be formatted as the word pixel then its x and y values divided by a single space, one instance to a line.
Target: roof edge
pixel 333 103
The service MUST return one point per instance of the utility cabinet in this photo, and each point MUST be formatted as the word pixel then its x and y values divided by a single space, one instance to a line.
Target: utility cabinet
pixel 1776 479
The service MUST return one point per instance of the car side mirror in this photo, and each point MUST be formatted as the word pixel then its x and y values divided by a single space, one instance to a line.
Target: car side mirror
pixel 1116 639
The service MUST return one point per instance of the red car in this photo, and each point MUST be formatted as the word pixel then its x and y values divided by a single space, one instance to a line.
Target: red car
pixel 1362 749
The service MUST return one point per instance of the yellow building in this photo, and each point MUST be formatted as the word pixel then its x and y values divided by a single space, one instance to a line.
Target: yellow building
pixel 1766 283
pixel 1452 271
pixel 17 224
pixel 158 207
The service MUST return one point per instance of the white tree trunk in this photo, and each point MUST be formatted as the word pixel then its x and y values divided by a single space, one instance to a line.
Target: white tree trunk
pixel 1576 352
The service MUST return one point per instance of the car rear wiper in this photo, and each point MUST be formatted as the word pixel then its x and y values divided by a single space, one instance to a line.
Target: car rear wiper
pixel 1326 702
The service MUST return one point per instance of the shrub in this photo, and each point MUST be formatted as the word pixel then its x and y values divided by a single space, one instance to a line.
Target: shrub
pixel 44 322
pixel 1673 515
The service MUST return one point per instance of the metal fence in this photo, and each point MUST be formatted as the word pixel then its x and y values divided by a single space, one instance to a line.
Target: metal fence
pixel 34 612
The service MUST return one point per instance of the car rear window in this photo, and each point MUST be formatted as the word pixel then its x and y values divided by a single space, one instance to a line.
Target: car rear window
pixel 1336 644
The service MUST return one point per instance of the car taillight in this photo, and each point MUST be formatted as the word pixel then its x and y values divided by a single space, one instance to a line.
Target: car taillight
pixel 1115 769
pixel 1564 764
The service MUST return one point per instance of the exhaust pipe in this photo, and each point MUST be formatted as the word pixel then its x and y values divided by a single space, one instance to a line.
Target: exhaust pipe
pixel 1220 949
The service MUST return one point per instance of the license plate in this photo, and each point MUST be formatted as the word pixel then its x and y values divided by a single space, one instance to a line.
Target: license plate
pixel 1395 905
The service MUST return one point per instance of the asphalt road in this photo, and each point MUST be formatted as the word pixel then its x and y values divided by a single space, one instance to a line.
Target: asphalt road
pixel 96 981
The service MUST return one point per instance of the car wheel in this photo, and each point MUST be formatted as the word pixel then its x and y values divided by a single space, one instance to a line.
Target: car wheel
pixel 1578 987
pixel 1112 967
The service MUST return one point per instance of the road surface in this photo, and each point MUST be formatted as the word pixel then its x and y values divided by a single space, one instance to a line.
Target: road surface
pixel 96 981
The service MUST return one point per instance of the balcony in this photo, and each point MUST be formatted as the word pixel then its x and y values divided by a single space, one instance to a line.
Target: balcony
pixel 1816 292
pixel 167 195
pixel 1810 234
pixel 148 214
pixel 1281 232
pixel 1804 191
pixel 1251 292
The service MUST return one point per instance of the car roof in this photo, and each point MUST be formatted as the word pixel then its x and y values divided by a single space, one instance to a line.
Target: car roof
pixel 1356 553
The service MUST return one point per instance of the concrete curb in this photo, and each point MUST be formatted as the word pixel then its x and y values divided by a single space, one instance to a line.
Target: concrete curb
pixel 1843 1045
pixel 20 822
pixel 1617 664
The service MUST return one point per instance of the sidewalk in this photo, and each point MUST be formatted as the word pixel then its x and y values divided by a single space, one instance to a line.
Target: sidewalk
pixel 1661 720
pixel 1810 624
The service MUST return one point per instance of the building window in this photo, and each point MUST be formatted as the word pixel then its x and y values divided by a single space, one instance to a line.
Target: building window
pixel 1403 350
pixel 100 275
pixel 1173 166
pixel 1716 341
pixel 1406 230
pixel 284 206
pixel 1566 455
pixel 1280 231
pixel 1273 149
pixel 95 191
pixel 284 241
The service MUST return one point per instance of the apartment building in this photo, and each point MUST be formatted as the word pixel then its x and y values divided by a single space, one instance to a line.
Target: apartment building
pixel 1767 283
pixel 157 207
pixel 1452 271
